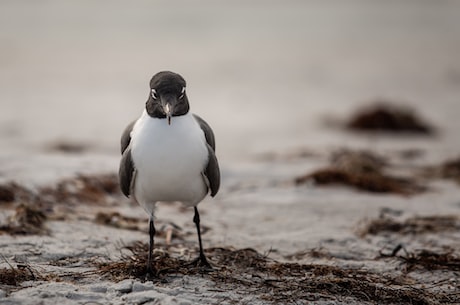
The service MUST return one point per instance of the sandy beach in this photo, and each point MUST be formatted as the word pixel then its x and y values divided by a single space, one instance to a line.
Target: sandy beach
pixel 311 210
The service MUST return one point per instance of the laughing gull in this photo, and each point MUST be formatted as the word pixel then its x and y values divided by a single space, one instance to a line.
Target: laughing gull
pixel 168 155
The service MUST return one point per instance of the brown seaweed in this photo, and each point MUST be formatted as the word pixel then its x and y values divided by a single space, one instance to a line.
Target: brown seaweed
pixel 413 225
pixel 388 118
pixel 14 276
pixel 362 170
pixel 277 282
pixel 27 220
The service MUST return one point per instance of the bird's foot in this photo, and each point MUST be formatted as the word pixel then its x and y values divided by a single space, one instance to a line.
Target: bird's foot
pixel 151 273
pixel 202 263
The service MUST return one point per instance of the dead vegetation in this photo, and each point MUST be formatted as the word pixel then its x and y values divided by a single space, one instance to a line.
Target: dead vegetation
pixel 425 259
pixel 375 183
pixel 277 282
pixel 26 220
pixel 7 193
pixel 431 260
pixel 420 259
pixel 13 192
pixel 383 116
pixel 133 263
pixel 449 169
pixel 83 189
pixel 413 225
pixel 31 208
pixel 78 190
pixel 362 170
pixel 367 171
pixel 12 276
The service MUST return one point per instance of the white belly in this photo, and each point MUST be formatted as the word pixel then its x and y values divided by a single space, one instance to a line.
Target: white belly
pixel 169 160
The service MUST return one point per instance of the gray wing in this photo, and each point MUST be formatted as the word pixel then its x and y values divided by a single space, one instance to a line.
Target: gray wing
pixel 212 171
pixel 126 136
pixel 126 172
pixel 208 134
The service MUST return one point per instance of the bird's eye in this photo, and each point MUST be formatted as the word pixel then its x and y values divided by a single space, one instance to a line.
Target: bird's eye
pixel 182 93
pixel 154 94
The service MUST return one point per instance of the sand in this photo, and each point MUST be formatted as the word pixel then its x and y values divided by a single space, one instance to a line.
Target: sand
pixel 276 81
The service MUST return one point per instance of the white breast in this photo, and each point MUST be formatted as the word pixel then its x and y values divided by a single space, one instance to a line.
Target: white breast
pixel 169 160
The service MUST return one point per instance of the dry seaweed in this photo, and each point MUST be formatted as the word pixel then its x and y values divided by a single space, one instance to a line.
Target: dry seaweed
pixel 426 259
pixel 360 161
pixel 291 282
pixel 27 220
pixel 7 193
pixel 430 260
pixel 371 182
pixel 15 276
pixel 277 282
pixel 12 192
pixel 79 189
pixel 388 118
pixel 34 207
pixel 449 169
pixel 362 170
pixel 413 225
pixel 134 264
pixel 83 189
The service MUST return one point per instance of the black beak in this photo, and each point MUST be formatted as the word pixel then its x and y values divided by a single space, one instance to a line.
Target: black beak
pixel 168 103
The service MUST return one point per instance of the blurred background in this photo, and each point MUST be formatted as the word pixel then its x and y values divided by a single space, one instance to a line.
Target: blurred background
pixel 267 75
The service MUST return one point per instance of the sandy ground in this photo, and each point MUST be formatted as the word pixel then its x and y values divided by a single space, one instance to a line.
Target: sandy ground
pixel 275 81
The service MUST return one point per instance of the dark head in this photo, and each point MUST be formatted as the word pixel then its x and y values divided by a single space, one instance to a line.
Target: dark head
pixel 167 96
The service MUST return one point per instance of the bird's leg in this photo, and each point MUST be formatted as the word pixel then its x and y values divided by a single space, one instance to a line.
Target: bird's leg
pixel 202 261
pixel 152 234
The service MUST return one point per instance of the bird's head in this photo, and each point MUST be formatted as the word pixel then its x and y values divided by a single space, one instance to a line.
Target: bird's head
pixel 167 97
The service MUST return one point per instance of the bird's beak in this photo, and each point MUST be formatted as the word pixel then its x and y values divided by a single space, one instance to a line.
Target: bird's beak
pixel 168 103
pixel 167 110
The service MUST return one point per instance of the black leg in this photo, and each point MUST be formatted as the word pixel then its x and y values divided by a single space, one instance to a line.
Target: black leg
pixel 152 234
pixel 202 259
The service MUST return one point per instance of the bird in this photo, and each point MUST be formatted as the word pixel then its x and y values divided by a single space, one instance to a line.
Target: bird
pixel 168 155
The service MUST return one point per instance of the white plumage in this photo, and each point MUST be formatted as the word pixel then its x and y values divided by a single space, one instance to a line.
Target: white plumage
pixel 169 161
